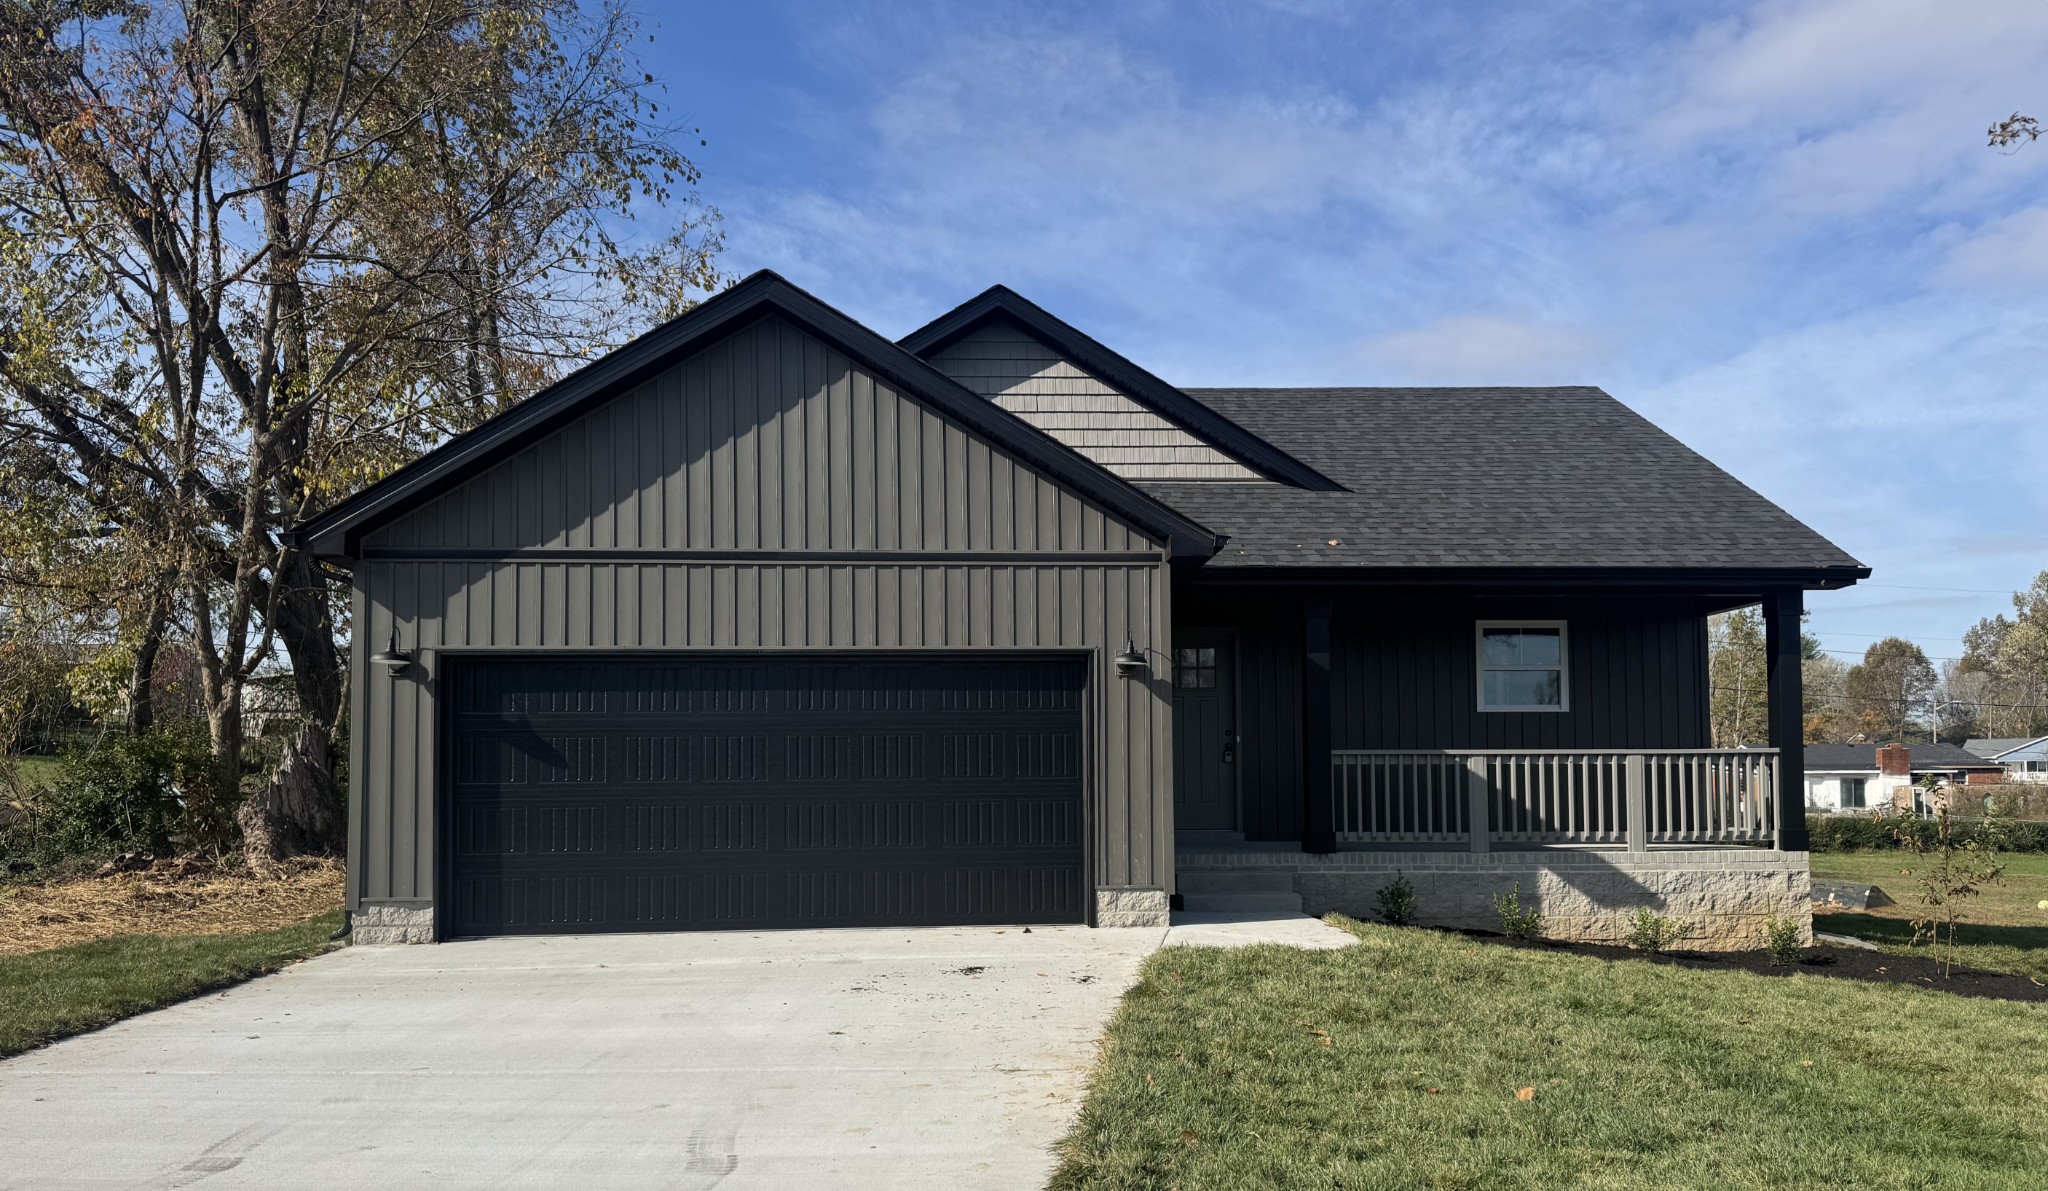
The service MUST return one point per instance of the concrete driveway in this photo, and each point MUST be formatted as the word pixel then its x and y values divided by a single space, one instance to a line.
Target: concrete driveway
pixel 907 1058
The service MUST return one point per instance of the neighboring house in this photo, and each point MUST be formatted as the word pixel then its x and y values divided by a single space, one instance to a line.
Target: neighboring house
pixel 2023 759
pixel 1869 778
pixel 765 621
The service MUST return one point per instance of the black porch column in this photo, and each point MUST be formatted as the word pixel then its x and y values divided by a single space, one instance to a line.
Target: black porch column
pixel 1787 714
pixel 1318 825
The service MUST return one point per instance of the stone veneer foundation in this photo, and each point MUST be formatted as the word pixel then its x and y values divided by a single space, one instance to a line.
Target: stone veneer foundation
pixel 1727 895
pixel 1129 906
pixel 392 922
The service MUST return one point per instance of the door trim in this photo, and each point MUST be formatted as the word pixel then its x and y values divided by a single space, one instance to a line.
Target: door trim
pixel 431 664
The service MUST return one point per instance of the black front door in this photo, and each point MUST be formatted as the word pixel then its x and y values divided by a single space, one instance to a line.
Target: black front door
pixel 633 794
pixel 1205 730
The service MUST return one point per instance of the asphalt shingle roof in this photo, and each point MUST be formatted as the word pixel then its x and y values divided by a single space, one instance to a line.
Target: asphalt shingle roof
pixel 1485 477
pixel 1828 758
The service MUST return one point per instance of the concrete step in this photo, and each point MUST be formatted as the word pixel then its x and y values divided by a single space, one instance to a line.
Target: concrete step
pixel 1253 901
pixel 1218 880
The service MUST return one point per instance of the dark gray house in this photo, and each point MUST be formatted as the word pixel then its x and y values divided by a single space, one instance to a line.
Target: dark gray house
pixel 766 621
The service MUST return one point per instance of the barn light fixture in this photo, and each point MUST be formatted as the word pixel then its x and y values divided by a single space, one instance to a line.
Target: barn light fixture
pixel 392 658
pixel 1131 663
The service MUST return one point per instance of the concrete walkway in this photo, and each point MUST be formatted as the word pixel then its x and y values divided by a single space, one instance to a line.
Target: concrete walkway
pixel 889 1059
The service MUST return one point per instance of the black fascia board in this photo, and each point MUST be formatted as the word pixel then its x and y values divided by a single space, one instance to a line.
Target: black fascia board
pixel 1000 301
pixel 1740 585
pixel 337 532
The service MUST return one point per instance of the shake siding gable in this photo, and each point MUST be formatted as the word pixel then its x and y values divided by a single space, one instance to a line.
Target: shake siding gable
pixel 1029 379
pixel 769 441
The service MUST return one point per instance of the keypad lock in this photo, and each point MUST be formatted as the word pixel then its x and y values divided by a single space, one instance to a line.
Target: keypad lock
pixel 1229 746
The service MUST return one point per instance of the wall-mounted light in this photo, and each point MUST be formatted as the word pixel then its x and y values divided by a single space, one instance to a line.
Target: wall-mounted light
pixel 1131 663
pixel 392 658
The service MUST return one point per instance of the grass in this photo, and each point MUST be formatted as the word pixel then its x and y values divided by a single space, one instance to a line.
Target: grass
pixel 2007 931
pixel 1422 1059
pixel 39 771
pixel 47 995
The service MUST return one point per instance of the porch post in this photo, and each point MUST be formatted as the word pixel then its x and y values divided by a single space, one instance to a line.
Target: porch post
pixel 1787 713
pixel 1318 828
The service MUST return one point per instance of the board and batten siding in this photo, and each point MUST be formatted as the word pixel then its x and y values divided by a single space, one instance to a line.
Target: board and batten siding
pixel 1029 379
pixel 768 441
pixel 1404 675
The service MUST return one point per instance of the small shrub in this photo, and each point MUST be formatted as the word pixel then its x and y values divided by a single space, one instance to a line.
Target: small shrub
pixel 1516 922
pixel 1397 902
pixel 119 793
pixel 1781 941
pixel 1651 933
pixel 1955 866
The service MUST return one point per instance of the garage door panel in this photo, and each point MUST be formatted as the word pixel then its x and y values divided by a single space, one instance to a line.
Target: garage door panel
pixel 847 793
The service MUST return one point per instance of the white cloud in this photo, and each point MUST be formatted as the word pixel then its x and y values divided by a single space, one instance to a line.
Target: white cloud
pixel 1484 349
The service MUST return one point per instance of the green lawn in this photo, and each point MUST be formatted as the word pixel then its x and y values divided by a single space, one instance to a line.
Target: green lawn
pixel 47 995
pixel 2008 930
pixel 39 771
pixel 1398 1063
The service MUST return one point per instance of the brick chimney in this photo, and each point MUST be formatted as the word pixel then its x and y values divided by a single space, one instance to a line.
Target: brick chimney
pixel 1895 760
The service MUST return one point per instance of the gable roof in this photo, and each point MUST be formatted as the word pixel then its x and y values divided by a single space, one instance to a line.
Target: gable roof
pixel 1997 747
pixel 1000 302
pixel 1922 758
pixel 1489 479
pixel 337 532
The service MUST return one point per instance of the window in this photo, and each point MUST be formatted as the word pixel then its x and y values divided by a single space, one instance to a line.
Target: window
pixel 1522 665
pixel 1195 668
pixel 1852 793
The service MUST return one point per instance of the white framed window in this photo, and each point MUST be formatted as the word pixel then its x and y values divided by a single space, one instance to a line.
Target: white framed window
pixel 1523 665
pixel 1852 793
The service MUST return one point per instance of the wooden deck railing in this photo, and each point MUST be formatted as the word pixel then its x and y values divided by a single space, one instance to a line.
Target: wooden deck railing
pixel 1531 797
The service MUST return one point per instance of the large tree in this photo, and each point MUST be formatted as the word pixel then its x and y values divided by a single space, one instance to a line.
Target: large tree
pixel 253 254
pixel 1890 690
pixel 2005 659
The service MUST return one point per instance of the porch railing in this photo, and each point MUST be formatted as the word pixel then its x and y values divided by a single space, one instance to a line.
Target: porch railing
pixel 1531 797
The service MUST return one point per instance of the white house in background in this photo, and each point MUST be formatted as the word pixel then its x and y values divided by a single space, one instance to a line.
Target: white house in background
pixel 1869 777
pixel 2024 759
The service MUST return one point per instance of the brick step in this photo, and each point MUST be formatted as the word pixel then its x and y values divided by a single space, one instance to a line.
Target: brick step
pixel 1234 880
pixel 1247 902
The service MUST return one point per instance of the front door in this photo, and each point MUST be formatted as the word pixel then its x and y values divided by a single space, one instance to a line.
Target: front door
pixel 1205 730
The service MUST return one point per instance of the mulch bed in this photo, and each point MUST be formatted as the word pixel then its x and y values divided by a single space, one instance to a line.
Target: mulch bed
pixel 1842 963
pixel 179 896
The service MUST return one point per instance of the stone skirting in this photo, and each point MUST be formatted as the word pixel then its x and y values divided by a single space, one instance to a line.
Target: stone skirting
pixel 1132 906
pixel 392 922
pixel 1727 895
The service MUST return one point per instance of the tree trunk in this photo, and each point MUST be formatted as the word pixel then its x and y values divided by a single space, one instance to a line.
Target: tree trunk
pixel 142 676
pixel 301 811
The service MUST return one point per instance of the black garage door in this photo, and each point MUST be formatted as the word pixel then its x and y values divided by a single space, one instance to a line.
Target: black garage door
pixel 634 794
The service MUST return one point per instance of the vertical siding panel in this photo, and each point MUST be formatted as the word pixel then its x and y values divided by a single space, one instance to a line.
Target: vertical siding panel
pixel 932 480
pixel 768 409
pixel 789 372
pixel 647 474
pixel 863 502
pixel 359 792
pixel 718 442
pixel 773 607
pixel 405 712
pixel 697 407
pixel 430 604
pixel 838 382
pixel 724 606
pixel 747 607
pixel 888 437
pixel 977 512
pixel 746 445
pixel 817 449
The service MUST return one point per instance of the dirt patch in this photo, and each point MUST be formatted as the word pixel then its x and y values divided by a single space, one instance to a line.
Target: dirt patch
pixel 165 897
pixel 1844 963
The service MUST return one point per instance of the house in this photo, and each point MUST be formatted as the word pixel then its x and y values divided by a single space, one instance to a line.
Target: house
pixel 1870 777
pixel 2021 758
pixel 766 621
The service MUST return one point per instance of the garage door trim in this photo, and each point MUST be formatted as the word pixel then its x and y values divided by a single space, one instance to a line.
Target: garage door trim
pixel 433 666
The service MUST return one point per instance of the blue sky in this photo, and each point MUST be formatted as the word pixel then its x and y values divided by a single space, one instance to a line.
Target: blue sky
pixel 1772 228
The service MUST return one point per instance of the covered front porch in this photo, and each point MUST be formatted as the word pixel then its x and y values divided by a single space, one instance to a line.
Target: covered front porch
pixel 1331 738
